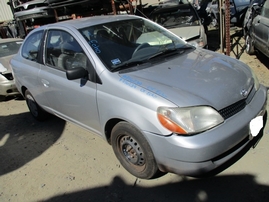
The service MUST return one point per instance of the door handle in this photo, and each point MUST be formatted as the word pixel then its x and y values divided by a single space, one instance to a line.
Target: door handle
pixel 45 83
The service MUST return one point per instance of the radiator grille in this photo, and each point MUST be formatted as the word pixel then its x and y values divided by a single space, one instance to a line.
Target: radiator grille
pixel 233 109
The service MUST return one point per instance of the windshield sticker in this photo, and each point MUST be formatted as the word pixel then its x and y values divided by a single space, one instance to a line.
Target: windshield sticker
pixel 116 61
pixel 95 46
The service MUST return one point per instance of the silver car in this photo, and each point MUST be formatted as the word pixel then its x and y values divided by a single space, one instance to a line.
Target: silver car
pixel 161 103
pixel 8 48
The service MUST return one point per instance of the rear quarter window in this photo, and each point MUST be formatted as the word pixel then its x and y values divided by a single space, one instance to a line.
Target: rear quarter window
pixel 30 49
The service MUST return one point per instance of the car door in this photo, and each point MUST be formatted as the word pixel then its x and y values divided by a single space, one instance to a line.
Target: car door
pixel 265 27
pixel 73 100
pixel 261 29
pixel 31 66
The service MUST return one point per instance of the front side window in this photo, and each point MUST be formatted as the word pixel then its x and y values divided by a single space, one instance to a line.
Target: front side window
pixel 129 41
pixel 30 49
pixel 63 51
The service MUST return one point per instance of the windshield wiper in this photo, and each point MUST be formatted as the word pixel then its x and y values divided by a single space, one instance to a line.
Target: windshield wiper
pixel 134 62
pixel 127 64
pixel 170 51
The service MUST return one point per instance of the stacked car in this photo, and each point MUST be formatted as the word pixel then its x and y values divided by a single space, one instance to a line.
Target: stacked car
pixel 33 13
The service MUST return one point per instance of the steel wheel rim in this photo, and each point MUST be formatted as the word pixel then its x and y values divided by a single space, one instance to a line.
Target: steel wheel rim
pixel 132 152
pixel 32 105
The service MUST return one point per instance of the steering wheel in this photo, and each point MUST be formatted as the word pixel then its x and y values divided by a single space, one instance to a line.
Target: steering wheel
pixel 142 45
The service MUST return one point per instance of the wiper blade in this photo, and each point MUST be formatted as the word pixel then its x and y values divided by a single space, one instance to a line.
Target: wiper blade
pixel 127 64
pixel 170 51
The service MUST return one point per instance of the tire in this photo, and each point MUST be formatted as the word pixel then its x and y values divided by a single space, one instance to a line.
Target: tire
pixel 127 142
pixel 37 112
pixel 249 45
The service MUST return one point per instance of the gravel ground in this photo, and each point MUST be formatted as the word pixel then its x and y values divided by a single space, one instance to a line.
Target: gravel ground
pixel 58 161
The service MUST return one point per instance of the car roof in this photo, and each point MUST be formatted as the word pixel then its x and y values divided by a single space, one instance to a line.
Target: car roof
pixel 89 21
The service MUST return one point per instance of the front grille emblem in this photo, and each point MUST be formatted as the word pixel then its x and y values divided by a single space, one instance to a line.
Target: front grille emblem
pixel 244 93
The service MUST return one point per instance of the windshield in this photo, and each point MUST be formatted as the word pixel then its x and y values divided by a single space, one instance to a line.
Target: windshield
pixel 182 15
pixel 9 48
pixel 117 42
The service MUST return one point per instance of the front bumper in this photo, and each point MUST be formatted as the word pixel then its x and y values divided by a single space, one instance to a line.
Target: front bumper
pixel 202 153
pixel 8 88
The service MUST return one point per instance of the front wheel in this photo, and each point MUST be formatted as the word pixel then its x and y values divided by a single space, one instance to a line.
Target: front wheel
pixel 133 151
pixel 37 112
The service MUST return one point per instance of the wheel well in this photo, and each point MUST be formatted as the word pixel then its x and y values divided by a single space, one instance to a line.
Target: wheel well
pixel 23 89
pixel 109 126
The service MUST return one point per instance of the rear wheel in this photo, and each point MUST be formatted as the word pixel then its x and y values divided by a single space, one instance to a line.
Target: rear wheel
pixel 249 45
pixel 133 151
pixel 37 112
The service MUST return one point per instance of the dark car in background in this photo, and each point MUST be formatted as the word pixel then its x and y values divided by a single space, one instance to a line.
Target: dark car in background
pixel 257 37
pixel 45 8
pixel 32 9
pixel 250 13
pixel 30 14
pixel 238 10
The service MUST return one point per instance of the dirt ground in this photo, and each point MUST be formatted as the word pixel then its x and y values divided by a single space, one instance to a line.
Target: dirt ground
pixel 58 161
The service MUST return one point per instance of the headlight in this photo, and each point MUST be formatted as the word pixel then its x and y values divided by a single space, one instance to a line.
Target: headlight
pixel 189 120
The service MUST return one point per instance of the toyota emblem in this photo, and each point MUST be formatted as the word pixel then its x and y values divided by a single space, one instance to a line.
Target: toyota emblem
pixel 244 93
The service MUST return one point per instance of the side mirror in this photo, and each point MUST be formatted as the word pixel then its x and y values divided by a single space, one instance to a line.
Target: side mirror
pixel 76 73
pixel 256 8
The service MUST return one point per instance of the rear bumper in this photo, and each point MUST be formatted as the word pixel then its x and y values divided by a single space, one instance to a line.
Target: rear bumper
pixel 202 153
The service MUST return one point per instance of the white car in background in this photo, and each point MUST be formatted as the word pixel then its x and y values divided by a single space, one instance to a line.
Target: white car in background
pixel 182 19
pixel 8 47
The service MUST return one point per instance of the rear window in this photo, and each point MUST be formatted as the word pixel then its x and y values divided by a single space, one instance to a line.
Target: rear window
pixel 30 48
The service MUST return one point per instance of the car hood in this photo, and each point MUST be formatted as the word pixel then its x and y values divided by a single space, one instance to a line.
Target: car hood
pixel 200 77
pixel 4 64
pixel 186 33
